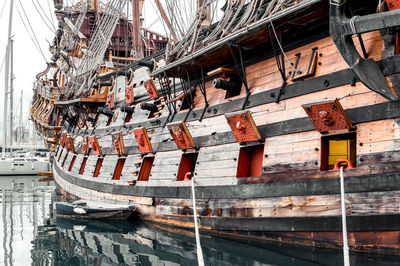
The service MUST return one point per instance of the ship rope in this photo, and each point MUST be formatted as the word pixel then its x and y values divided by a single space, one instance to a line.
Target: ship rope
pixel 49 19
pixel 237 15
pixel 2 9
pixel 43 19
pixel 31 33
pixel 85 73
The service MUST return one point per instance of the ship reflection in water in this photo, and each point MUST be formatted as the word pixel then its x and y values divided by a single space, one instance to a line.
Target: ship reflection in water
pixel 30 235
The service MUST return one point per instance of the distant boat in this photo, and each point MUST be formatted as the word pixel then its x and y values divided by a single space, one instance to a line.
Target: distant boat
pixel 93 210
pixel 23 166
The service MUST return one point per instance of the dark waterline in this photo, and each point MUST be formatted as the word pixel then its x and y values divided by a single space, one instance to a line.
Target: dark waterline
pixel 30 235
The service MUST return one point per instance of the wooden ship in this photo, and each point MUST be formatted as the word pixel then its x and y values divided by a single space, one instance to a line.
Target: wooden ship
pixel 260 108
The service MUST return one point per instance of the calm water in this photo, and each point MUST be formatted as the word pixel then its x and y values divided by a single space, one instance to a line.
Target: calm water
pixel 30 235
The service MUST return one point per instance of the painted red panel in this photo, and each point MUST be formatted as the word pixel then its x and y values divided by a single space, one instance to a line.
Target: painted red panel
pixel 111 100
pixel 98 167
pixel 70 144
pixel 187 165
pixel 250 161
pixel 243 126
pixel 129 95
pixel 72 163
pixel 151 89
pixel 118 168
pixel 95 145
pixel 145 170
pixel 328 116
pixel 393 4
pixel 62 140
pixel 82 169
pixel 142 140
pixel 181 135
pixel 85 145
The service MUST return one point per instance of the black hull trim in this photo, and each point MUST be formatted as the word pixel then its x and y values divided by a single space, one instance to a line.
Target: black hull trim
pixel 359 223
pixel 370 183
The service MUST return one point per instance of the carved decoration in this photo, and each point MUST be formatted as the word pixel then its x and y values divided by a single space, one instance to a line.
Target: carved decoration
pixel 62 140
pixel 328 116
pixel 243 126
pixel 151 89
pixel 111 100
pixel 69 143
pixel 118 143
pixel 85 145
pixel 95 145
pixel 393 4
pixel 181 135
pixel 142 140
pixel 129 95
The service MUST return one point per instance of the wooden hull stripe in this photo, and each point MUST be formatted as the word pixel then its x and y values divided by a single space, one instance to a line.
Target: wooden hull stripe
pixel 370 183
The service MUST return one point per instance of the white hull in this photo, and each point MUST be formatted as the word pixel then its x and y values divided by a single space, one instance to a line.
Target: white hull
pixel 23 167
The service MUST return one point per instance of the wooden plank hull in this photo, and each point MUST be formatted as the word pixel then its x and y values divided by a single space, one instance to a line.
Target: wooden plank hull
pixel 304 218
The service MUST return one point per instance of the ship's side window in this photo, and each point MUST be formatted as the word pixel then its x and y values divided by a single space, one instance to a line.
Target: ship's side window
pixel 250 161
pixel 98 167
pixel 72 163
pixel 338 147
pixel 128 117
pixel 65 158
pixel 82 169
pixel 187 165
pixel 118 168
pixel 109 120
pixel 145 169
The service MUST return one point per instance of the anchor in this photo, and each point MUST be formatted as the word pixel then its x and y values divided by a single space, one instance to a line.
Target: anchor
pixel 343 28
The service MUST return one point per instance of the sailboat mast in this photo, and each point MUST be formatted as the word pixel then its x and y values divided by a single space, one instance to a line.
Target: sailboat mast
pixel 20 132
pixel 12 93
pixel 6 77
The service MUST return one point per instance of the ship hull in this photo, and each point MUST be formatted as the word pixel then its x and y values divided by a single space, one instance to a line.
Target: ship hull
pixel 224 213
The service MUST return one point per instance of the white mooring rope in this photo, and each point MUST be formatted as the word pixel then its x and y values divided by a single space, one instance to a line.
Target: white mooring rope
pixel 346 258
pixel 200 258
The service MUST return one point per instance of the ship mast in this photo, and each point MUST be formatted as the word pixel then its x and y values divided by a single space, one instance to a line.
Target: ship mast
pixel 137 47
pixel 166 20
pixel 6 78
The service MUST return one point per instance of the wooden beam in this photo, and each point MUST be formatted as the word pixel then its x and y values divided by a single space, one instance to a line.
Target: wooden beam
pixel 166 20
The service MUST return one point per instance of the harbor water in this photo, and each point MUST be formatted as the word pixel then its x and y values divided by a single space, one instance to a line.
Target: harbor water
pixel 31 235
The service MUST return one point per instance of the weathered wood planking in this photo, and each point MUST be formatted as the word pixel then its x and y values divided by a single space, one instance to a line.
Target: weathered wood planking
pixel 265 75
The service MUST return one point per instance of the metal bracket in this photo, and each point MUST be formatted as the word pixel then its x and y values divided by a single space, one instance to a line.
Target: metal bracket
pixel 242 72
pixel 202 86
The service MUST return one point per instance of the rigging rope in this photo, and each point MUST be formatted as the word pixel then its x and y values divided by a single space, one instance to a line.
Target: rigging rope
pixel 2 9
pixel 44 13
pixel 52 30
pixel 35 42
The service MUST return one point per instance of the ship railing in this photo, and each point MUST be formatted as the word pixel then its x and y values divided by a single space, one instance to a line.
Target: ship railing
pixel 48 91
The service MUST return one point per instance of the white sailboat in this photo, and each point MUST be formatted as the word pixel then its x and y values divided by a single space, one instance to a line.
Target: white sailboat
pixel 24 162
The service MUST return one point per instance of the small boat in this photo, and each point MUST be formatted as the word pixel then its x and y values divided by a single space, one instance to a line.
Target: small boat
pixel 24 166
pixel 93 210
